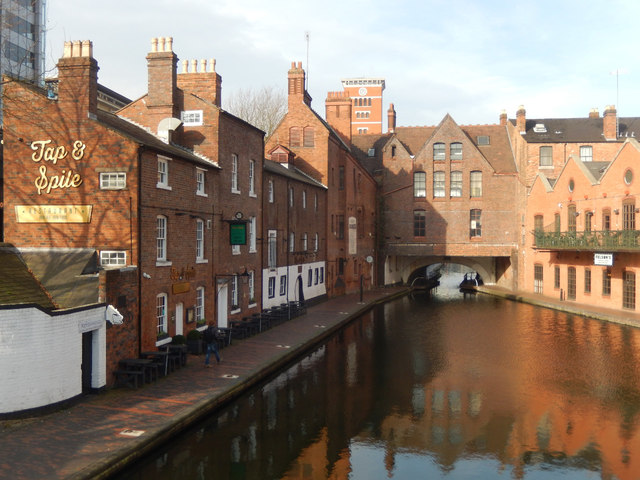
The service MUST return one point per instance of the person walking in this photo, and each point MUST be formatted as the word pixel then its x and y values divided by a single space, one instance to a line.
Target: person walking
pixel 212 344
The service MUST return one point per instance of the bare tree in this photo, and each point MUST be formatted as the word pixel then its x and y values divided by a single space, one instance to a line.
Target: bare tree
pixel 263 108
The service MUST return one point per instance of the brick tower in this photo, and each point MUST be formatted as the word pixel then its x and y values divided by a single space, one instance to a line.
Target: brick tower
pixel 366 95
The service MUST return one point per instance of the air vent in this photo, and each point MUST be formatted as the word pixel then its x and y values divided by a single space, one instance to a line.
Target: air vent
pixel 483 139
pixel 371 152
pixel 540 128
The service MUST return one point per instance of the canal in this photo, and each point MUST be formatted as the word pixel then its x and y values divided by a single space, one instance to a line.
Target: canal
pixel 451 386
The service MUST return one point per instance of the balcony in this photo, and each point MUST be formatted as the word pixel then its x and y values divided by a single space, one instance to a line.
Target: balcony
pixel 594 241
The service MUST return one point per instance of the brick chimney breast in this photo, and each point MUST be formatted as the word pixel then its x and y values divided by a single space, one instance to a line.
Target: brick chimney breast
pixel 78 78
pixel 162 75
pixel 391 118
pixel 503 118
pixel 521 120
pixel 594 113
pixel 610 123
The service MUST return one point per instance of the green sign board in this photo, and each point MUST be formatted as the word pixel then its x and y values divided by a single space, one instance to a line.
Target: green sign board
pixel 238 233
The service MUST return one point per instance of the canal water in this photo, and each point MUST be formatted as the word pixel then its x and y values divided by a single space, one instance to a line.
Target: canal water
pixel 452 386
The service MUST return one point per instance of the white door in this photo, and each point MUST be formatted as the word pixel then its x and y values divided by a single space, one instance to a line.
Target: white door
pixel 179 319
pixel 223 292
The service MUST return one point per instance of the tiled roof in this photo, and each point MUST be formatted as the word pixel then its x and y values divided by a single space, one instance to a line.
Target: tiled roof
pixel 293 173
pixel 498 152
pixel 69 275
pixel 17 284
pixel 577 130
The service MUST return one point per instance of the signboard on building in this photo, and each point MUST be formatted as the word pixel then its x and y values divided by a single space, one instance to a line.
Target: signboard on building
pixel 353 236
pixel 53 213
pixel 238 233
pixel 603 259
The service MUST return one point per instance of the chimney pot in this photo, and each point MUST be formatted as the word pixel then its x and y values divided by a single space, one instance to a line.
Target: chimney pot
pixel 169 44
pixel 185 66
pixel 194 65
pixel 154 44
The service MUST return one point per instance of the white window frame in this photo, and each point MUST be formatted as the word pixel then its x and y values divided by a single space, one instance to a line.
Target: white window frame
pixel 234 173
pixel 455 189
pixel 304 242
pixel 252 235
pixel 252 178
pixel 113 258
pixel 199 311
pixel 272 257
pixel 201 178
pixel 315 202
pixel 439 184
pixel 199 240
pixel 271 191
pixel 235 250
pixel 252 287
pixel 292 242
pixel 163 173
pixel 192 118
pixel 161 238
pixel 316 242
pixel 113 180
pixel 235 297
pixel 283 285
pixel 161 314
pixel 272 287
pixel 586 153
pixel 291 196
pixel 304 199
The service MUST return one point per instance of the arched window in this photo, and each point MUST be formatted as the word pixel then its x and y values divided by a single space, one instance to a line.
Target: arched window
pixel 455 151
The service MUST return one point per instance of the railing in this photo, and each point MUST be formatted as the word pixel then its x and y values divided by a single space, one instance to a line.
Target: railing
pixel 606 241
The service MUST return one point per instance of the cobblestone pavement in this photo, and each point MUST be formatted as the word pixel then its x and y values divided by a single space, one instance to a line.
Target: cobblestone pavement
pixel 92 439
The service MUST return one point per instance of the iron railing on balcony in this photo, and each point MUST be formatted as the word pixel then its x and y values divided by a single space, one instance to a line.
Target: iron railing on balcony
pixel 596 241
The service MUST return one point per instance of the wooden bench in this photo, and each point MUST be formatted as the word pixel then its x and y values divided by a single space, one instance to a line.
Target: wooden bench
pixel 129 377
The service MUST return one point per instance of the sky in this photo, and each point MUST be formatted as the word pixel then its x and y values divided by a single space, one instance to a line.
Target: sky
pixel 468 58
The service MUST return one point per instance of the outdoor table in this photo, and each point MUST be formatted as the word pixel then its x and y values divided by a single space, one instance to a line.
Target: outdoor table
pixel 145 365
pixel 160 357
pixel 180 351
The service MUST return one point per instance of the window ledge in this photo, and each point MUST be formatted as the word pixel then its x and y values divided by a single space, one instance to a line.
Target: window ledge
pixel 253 194
pixel 202 260
pixel 236 253
pixel 253 305
pixel 235 191
pixel 162 186
pixel 201 194
pixel 163 263
pixel 237 310
pixel 164 341
pixel 253 250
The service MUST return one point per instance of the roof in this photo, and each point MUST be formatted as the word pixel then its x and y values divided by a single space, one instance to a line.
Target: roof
pixel 290 172
pixel 577 130
pixel 143 136
pixel 69 275
pixel 17 284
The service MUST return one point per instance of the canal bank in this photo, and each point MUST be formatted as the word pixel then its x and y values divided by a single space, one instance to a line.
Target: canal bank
pixel 630 318
pixel 103 433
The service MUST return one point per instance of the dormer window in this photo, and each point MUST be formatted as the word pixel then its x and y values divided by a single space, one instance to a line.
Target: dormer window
pixel 540 128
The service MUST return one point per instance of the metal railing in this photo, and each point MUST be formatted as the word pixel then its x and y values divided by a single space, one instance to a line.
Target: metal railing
pixel 596 241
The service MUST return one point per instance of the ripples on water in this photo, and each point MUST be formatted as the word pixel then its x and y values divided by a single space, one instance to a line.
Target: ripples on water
pixel 446 387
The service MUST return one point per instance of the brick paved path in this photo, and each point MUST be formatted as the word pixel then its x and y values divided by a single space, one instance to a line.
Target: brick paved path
pixel 87 440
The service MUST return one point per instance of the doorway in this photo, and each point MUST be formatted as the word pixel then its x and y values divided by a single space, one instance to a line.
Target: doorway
pixel 179 319
pixel 222 300
pixel 87 361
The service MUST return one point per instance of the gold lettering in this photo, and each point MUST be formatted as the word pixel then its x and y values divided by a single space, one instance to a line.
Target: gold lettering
pixel 67 179
pixel 38 146
pixel 78 150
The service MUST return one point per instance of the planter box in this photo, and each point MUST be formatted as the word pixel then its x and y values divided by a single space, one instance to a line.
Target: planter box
pixel 195 347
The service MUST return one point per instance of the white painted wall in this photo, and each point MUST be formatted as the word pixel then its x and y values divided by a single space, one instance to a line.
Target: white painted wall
pixel 41 355
pixel 315 290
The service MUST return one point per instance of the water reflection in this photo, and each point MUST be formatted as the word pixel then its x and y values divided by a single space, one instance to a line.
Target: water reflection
pixel 446 387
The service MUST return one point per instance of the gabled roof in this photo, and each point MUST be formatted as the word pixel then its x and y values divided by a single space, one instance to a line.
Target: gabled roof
pixel 290 172
pixel 144 136
pixel 17 284
pixel 577 130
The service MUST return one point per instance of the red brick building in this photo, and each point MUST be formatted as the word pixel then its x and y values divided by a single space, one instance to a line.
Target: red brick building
pixel 185 108
pixel 294 229
pixel 77 178
pixel 366 100
pixel 322 151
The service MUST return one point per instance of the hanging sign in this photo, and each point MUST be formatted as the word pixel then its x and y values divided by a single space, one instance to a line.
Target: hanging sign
pixel 237 233
pixel 603 259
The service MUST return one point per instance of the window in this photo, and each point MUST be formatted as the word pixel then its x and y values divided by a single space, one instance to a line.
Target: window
pixel 310 278
pixel 340 233
pixel 439 151
pixel 112 258
pixel 252 234
pixel 538 221
pixel 235 300
pixel 340 178
pixel 292 242
pixel 571 283
pixel 200 182
pixel 606 282
pixel 321 279
pixel 556 222
pixel 113 180
pixel 587 280
pixel 252 286
pixel 273 249
pixel 629 216
pixel 304 199
pixel 317 276
pixel 606 220
pixel 629 290
pixel 235 249
pixel 628 177
pixel 546 156
pixel 304 242
pixel 419 223
pixel 199 239
pixel 161 314
pixel 556 276
pixel 309 137
pixel 315 202
pixel 161 238
pixel 295 134
pixel 191 118
pixel 455 151
pixel 291 196
pixel 586 153
pixel 483 139
pixel 456 184
pixel 438 184
pixel 252 178
pixel 283 285
pixel 270 191
pixel 475 223
pixel 341 266
pixel 234 174
pixel 571 218
pixel 538 281
pixel 199 304
pixel 272 287
pixel 163 173
pixel 420 184
pixel 476 184
pixel 588 217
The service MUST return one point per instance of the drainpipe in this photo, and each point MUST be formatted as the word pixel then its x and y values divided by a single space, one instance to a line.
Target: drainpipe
pixel 140 150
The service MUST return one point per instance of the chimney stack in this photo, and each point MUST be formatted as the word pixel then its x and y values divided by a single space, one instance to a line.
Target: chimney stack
pixel 610 123
pixel 521 120
pixel 78 78
pixel 162 76
pixel 297 85
pixel 593 113
pixel 503 118
pixel 338 108
pixel 391 119
pixel 201 79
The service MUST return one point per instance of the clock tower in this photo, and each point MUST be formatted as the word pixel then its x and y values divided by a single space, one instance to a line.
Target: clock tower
pixel 366 100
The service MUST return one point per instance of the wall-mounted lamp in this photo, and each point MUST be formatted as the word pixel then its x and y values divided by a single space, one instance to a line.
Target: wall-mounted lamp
pixel 146 275
pixel 577 213
pixel 616 211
